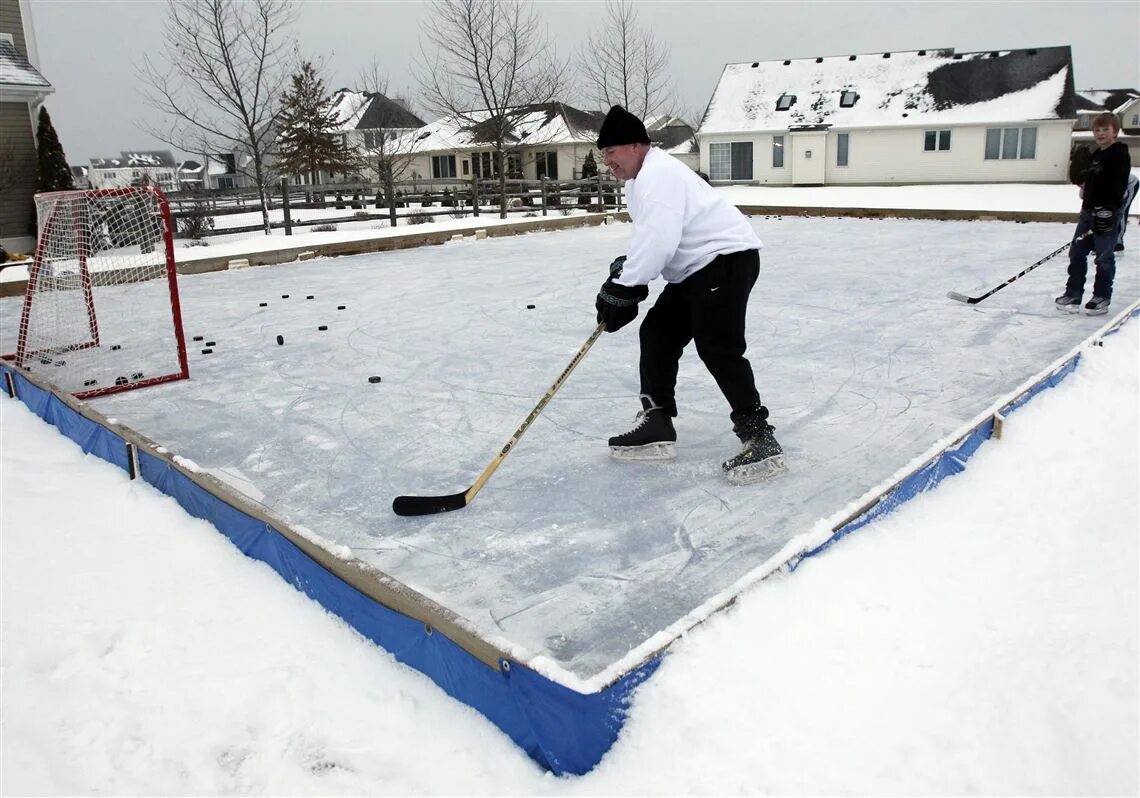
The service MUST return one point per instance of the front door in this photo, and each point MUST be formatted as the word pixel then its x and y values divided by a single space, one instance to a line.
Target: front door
pixel 809 157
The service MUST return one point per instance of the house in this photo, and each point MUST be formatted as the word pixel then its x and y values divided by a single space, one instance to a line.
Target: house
pixel 22 92
pixel 190 176
pixel 154 167
pixel 365 122
pixel 922 116
pixel 1125 103
pixel 79 176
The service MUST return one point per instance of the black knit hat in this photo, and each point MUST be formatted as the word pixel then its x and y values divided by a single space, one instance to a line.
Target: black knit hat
pixel 621 127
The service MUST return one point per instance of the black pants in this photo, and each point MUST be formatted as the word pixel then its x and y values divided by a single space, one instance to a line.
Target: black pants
pixel 708 308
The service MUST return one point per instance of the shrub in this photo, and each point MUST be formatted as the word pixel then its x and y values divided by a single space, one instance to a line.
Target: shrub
pixel 197 222
pixel 460 215
pixel 420 218
pixel 323 228
pixel 361 215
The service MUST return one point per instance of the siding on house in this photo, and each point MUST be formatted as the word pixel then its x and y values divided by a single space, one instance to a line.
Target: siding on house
pixel 11 22
pixel 16 205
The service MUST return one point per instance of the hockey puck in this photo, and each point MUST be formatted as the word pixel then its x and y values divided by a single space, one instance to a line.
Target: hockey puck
pixel 207 351
pixel 61 362
pixel 340 307
pixel 115 347
pixel 310 296
pixel 530 307
pixel 280 340
pixel 284 296
pixel 120 380
pixel 374 379
pixel 197 337
pixel 138 375
pixel 263 304
pixel 323 327
pixel 89 383
pixel 211 343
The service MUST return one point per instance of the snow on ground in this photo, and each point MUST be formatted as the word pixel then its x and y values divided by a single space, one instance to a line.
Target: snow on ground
pixel 982 640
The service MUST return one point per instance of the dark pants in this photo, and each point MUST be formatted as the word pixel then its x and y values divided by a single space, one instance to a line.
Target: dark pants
pixel 1100 243
pixel 707 308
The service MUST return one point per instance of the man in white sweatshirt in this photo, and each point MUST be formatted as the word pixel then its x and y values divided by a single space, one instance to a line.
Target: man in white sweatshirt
pixel 708 254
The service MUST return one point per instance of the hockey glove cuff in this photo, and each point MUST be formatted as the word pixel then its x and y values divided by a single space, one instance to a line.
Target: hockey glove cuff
pixel 616 267
pixel 1103 220
pixel 617 304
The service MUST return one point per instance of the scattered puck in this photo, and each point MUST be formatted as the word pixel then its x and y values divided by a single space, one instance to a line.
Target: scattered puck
pixel 374 379
pixel 89 383
pixel 61 362
pixel 284 296
pixel 263 304
pixel 323 327
pixel 115 347
pixel 197 337
pixel 207 351
pixel 45 361
pixel 211 343
pixel 530 307
pixel 340 307
pixel 310 296
pixel 280 340
pixel 120 380
pixel 138 375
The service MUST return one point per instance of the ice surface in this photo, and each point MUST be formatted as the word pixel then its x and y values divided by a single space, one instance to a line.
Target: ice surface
pixel 568 555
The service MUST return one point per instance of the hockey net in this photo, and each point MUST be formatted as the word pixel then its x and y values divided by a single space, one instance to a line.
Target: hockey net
pixel 101 312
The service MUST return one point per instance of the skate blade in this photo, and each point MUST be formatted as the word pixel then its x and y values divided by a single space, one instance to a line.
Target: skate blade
pixel 757 472
pixel 650 451
pixel 1068 308
pixel 1101 312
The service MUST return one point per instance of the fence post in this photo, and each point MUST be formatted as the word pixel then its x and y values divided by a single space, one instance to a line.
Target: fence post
pixel 543 184
pixel 601 201
pixel 475 194
pixel 285 206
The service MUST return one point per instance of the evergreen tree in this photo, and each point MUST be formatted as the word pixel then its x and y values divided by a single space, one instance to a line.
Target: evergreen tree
pixel 589 166
pixel 52 171
pixel 307 144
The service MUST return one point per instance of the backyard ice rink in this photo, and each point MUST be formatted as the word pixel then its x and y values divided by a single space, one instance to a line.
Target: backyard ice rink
pixel 577 565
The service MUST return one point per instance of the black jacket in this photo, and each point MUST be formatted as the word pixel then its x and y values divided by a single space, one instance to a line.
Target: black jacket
pixel 1106 177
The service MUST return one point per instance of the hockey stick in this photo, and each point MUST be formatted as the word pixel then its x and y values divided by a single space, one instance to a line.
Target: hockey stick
pixel 973 300
pixel 427 505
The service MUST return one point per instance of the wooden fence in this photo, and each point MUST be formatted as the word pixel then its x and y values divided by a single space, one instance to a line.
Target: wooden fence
pixel 416 202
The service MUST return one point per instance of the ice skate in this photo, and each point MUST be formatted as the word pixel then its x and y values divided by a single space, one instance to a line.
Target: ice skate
pixel 1068 303
pixel 652 439
pixel 1097 306
pixel 760 459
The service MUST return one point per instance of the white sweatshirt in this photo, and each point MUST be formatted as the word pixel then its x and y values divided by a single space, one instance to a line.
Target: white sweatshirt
pixel 679 223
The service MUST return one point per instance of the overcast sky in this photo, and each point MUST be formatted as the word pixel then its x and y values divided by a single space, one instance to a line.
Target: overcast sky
pixel 90 49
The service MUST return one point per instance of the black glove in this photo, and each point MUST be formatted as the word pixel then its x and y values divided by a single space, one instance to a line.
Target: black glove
pixel 1103 220
pixel 617 266
pixel 617 304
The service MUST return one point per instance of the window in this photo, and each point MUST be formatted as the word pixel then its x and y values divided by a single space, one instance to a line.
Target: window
pixel 485 164
pixel 785 102
pixel 466 167
pixel 777 152
pixel 841 149
pixel 847 99
pixel 225 182
pixel 546 165
pixel 936 140
pixel 442 166
pixel 1135 120
pixel 730 161
pixel 1011 143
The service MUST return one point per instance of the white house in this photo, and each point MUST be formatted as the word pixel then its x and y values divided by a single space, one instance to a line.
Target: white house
pixel 548 140
pixel 22 92
pixel 923 116
pixel 156 167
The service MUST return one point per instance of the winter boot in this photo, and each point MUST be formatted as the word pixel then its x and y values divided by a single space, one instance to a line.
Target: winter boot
pixel 1068 303
pixel 1097 306
pixel 762 458
pixel 652 439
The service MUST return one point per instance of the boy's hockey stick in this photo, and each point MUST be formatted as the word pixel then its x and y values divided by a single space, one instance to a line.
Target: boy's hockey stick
pixel 973 300
pixel 426 505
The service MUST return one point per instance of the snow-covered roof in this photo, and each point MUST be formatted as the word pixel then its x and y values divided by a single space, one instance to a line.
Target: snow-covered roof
pixel 1097 100
pixel 129 159
pixel 918 87
pixel 548 123
pixel 17 72
pixel 360 110
pixel 190 167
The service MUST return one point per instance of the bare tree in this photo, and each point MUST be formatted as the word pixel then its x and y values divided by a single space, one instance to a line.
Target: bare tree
pixel 624 64
pixel 226 64
pixel 388 149
pixel 491 62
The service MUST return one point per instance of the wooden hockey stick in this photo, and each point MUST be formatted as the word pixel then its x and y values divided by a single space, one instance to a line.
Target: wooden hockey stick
pixel 427 505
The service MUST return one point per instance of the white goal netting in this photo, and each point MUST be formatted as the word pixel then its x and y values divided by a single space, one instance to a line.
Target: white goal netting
pixel 101 310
